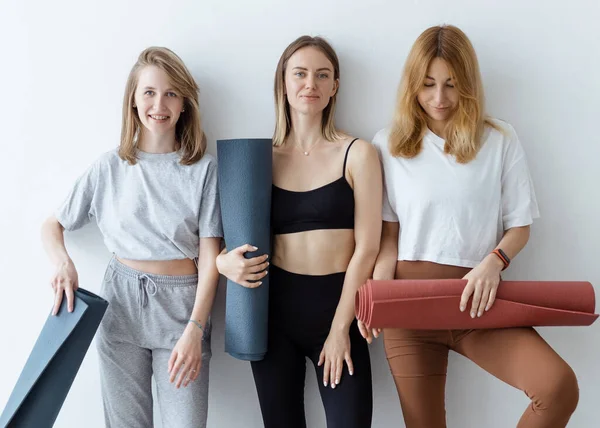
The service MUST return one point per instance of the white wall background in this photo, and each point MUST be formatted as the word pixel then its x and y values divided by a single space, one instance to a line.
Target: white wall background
pixel 62 76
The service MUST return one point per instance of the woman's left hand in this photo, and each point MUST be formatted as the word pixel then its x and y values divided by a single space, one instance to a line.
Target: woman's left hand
pixel 335 351
pixel 186 358
pixel 482 283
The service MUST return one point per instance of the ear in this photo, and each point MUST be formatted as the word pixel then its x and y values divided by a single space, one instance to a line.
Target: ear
pixel 336 85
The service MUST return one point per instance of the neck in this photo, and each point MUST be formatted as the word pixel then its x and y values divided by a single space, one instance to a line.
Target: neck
pixel 153 143
pixel 438 127
pixel 306 130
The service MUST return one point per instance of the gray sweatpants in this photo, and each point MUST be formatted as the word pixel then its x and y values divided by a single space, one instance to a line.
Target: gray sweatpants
pixel 146 316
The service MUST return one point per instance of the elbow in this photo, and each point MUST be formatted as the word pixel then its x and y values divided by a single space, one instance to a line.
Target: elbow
pixel 51 224
pixel 367 253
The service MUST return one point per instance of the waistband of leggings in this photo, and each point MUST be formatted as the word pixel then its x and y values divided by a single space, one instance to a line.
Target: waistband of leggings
pixel 165 280
pixel 279 271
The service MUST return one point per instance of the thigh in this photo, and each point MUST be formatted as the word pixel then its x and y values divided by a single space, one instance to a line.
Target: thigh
pixel 184 407
pixel 279 380
pixel 125 377
pixel 518 356
pixel 418 361
pixel 350 404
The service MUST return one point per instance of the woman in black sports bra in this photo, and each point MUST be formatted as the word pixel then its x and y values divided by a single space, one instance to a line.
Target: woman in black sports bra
pixel 326 221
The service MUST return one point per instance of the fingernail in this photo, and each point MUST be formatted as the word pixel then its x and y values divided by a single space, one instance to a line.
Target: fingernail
pixel 337 381
pixel 472 314
pixel 254 248
pixel 479 314
pixel 325 383
pixel 351 373
pixel 462 308
pixel 333 386
pixel 259 282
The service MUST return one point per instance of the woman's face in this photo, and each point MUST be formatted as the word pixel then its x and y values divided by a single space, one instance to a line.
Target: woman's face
pixel 158 104
pixel 309 81
pixel 438 97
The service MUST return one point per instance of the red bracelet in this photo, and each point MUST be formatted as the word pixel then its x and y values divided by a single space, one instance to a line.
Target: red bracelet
pixel 502 256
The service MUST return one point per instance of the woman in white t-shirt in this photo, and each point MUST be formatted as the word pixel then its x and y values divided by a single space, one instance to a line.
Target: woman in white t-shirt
pixel 458 203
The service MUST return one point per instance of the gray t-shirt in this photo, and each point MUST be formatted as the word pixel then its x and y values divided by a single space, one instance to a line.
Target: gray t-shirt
pixel 156 209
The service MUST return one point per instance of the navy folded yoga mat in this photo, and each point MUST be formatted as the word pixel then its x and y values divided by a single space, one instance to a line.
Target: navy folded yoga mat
pixel 245 179
pixel 53 363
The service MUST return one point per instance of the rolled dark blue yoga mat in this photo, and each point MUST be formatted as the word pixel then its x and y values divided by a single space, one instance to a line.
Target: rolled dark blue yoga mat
pixel 245 178
pixel 53 363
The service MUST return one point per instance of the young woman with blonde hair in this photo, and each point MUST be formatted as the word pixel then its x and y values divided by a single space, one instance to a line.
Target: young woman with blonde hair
pixel 458 203
pixel 155 202
pixel 326 224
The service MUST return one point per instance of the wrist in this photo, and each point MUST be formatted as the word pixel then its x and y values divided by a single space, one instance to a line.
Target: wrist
pixel 495 261
pixel 340 326
pixel 501 257
pixel 63 261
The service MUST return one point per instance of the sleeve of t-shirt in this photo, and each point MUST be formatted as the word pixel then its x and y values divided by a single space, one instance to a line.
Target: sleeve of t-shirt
pixel 380 143
pixel 210 225
pixel 78 208
pixel 519 204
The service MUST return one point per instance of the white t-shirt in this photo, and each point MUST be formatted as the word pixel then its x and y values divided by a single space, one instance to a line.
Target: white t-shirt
pixel 453 213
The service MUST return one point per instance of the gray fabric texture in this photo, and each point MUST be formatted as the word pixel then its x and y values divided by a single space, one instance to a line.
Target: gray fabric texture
pixel 146 316
pixel 156 209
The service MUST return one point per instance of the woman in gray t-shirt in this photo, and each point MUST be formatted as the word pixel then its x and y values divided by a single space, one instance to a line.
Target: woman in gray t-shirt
pixel 155 201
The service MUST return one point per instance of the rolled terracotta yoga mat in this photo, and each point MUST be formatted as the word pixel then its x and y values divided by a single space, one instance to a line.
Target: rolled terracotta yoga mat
pixel 53 363
pixel 245 179
pixel 434 304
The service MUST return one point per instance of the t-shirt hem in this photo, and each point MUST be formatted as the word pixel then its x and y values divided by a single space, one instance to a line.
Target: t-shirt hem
pixel 439 259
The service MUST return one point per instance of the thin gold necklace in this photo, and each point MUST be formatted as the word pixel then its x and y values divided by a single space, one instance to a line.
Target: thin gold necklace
pixel 307 152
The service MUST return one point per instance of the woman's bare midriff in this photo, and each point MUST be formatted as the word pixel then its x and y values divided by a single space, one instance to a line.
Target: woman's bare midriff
pixel 315 252
pixel 428 270
pixel 162 267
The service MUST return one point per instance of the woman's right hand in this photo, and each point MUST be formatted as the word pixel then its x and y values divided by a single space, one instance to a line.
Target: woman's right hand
pixel 64 280
pixel 366 333
pixel 234 266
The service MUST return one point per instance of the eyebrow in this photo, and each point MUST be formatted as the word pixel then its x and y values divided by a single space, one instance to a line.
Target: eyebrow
pixel 429 77
pixel 153 88
pixel 306 69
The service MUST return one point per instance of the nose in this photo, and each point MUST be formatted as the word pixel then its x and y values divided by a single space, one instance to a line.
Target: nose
pixel 440 96
pixel 158 101
pixel 311 81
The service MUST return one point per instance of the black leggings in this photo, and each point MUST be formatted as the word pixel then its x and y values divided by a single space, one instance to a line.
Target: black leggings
pixel 301 309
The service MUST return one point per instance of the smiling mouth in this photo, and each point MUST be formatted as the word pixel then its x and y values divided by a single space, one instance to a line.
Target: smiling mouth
pixel 157 117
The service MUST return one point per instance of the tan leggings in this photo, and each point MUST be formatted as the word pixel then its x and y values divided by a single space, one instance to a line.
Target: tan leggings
pixel 418 361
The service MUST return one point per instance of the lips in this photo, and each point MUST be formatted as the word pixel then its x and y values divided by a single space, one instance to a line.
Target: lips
pixel 158 117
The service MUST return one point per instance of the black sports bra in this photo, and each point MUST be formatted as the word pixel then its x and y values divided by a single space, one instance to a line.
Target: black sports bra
pixel 327 207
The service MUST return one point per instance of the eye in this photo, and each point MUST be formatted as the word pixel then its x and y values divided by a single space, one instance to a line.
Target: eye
pixel 450 85
pixel 299 73
pixel 149 92
pixel 429 85
pixel 171 94
pixel 323 76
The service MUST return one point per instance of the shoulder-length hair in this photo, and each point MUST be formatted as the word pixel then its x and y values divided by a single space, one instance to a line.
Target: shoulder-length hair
pixel 283 121
pixel 188 131
pixel 464 130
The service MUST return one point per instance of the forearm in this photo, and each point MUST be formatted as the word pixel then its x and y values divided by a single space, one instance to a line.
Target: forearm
pixel 358 272
pixel 514 240
pixel 205 295
pixel 53 241
pixel 385 265
pixel 208 280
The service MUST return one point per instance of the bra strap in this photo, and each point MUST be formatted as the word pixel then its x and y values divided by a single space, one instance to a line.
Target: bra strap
pixel 346 157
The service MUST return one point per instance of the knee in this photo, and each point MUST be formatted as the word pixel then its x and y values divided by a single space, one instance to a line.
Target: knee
pixel 561 392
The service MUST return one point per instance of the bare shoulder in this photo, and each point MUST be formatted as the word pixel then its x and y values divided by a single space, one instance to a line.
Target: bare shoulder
pixel 361 152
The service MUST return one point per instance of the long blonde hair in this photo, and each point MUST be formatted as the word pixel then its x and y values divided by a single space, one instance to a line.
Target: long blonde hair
pixel 283 121
pixel 188 131
pixel 464 130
